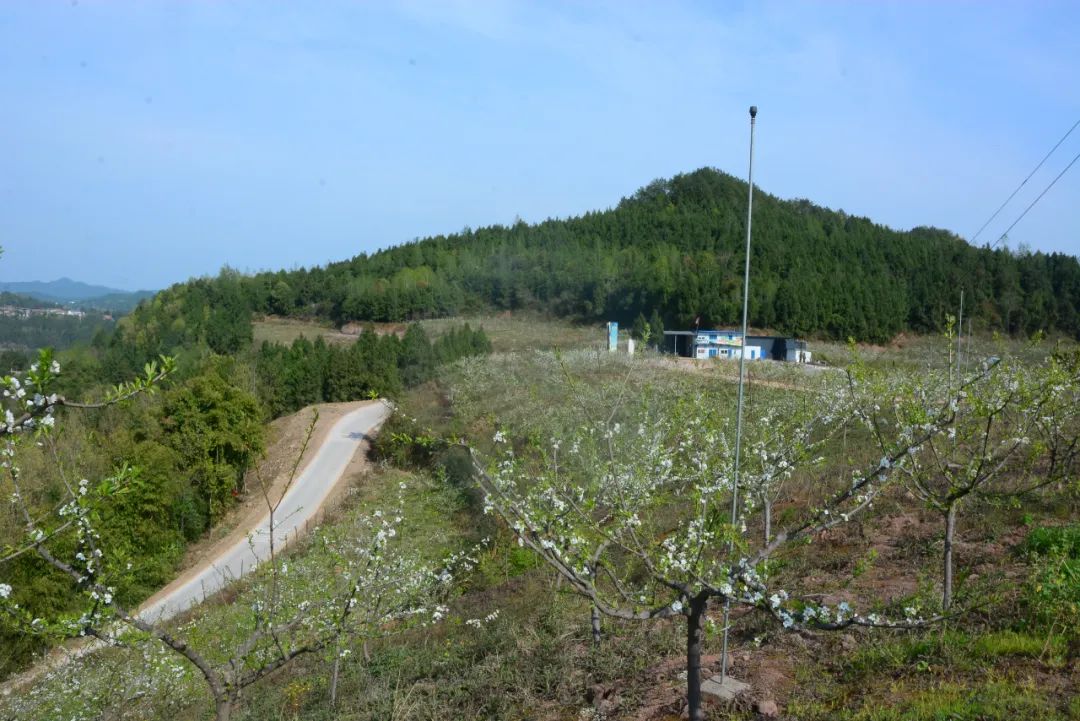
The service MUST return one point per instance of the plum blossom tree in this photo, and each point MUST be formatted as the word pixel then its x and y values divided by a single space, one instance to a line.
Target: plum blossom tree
pixel 1014 431
pixel 784 434
pixel 631 508
pixel 357 582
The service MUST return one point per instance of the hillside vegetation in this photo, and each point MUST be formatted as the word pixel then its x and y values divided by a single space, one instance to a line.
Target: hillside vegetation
pixel 674 247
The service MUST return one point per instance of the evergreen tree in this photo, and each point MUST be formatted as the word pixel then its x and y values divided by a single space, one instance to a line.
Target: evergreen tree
pixel 641 330
pixel 656 325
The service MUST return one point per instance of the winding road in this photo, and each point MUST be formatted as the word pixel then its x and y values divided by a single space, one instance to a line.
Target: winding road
pixel 303 500
pixel 302 503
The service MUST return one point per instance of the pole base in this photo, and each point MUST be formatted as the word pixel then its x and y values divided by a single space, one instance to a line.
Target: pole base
pixel 724 688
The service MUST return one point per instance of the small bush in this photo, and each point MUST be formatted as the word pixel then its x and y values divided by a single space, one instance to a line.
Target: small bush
pixel 1053 592
pixel 402 442
pixel 1043 540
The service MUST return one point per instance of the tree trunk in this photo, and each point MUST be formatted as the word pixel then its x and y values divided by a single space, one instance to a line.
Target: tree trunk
pixel 695 632
pixel 223 708
pixel 595 625
pixel 950 531
pixel 334 679
pixel 768 520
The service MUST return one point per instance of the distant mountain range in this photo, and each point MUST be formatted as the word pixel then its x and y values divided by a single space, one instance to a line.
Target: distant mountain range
pixel 83 295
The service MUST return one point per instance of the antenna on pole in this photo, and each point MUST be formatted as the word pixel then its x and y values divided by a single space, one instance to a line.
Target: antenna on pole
pixel 742 382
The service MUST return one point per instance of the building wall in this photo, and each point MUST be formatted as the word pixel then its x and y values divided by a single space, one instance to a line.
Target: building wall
pixel 795 355
pixel 725 344
pixel 771 346
pixel 713 351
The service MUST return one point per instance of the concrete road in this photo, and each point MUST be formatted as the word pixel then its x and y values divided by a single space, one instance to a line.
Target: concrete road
pixel 301 503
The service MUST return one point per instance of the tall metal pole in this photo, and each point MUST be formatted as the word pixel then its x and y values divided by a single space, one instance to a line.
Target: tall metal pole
pixel 742 381
pixel 959 337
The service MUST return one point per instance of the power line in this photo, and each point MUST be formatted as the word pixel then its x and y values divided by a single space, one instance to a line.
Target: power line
pixel 1024 182
pixel 1036 199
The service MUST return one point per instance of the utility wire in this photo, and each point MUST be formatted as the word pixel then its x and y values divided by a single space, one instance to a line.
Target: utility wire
pixel 1036 200
pixel 1024 182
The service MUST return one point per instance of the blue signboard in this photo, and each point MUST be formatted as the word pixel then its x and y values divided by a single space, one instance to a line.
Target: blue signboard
pixel 612 336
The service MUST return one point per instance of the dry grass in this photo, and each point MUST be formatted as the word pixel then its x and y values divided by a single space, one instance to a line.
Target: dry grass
pixel 932 351
pixel 518 332
pixel 286 330
pixel 507 332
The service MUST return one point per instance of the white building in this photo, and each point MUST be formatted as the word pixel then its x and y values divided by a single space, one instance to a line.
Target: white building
pixel 723 344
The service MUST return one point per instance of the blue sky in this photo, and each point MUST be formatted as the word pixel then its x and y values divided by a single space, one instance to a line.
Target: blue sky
pixel 144 143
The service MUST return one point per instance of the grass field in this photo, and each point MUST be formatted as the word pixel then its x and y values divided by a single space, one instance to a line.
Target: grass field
pixel 507 333
pixel 286 330
pixel 521 332
pixel 922 351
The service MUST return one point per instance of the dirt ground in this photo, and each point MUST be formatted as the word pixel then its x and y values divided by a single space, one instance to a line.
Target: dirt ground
pixel 895 540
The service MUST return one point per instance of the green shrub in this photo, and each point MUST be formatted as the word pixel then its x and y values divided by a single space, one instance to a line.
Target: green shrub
pixel 1045 539
pixel 403 443
pixel 1053 592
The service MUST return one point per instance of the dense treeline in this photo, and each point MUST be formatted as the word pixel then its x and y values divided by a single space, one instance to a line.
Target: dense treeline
pixel 314 372
pixel 189 319
pixel 179 458
pixel 673 247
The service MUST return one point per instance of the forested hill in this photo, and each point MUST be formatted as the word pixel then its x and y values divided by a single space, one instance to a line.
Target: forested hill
pixel 675 246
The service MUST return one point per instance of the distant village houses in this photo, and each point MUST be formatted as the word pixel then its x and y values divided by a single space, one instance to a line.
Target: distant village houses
pixel 12 311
